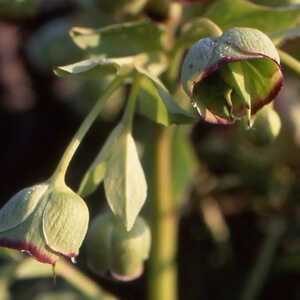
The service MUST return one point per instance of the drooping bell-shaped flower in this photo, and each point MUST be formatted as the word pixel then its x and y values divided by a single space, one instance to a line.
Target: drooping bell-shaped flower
pixel 232 76
pixel 114 251
pixel 46 221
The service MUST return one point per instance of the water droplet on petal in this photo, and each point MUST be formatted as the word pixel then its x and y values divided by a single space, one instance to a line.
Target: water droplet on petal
pixel 73 260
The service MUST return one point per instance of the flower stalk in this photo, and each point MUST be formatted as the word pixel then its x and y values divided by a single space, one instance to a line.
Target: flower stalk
pixel 290 61
pixel 162 278
pixel 162 282
pixel 60 172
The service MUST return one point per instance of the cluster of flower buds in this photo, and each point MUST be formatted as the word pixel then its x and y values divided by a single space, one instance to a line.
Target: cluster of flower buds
pixel 113 251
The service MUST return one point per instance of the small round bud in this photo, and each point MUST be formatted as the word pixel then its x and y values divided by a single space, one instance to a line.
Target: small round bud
pixel 111 249
pixel 266 127
pixel 129 249
pixel 98 244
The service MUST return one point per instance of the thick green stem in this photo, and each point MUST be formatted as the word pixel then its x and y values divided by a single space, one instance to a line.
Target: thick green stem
pixel 264 261
pixel 162 266
pixel 60 172
pixel 162 278
pixel 289 61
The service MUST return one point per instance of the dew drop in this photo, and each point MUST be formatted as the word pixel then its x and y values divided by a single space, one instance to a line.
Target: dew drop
pixel 26 252
pixel 194 104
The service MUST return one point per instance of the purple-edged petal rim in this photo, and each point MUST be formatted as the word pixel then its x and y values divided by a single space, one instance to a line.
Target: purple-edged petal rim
pixel 27 247
pixel 229 59
pixel 71 256
pixel 121 277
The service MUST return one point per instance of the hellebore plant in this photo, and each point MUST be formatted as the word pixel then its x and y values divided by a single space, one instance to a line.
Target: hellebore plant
pixel 228 76
pixel 232 76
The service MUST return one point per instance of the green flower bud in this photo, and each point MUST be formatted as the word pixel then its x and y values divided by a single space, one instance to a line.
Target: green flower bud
pixel 232 76
pixel 113 250
pixel 46 221
pixel 98 240
pixel 266 127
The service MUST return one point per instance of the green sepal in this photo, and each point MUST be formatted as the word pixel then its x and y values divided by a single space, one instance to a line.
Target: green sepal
pixel 28 235
pixel 119 40
pixel 21 206
pixel 65 222
pixel 124 182
pixel 156 103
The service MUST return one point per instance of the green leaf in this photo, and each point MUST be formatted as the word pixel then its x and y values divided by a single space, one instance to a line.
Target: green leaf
pixel 280 37
pixel 156 103
pixel 232 13
pixel 95 173
pixel 119 40
pixel 124 182
pixel 90 68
